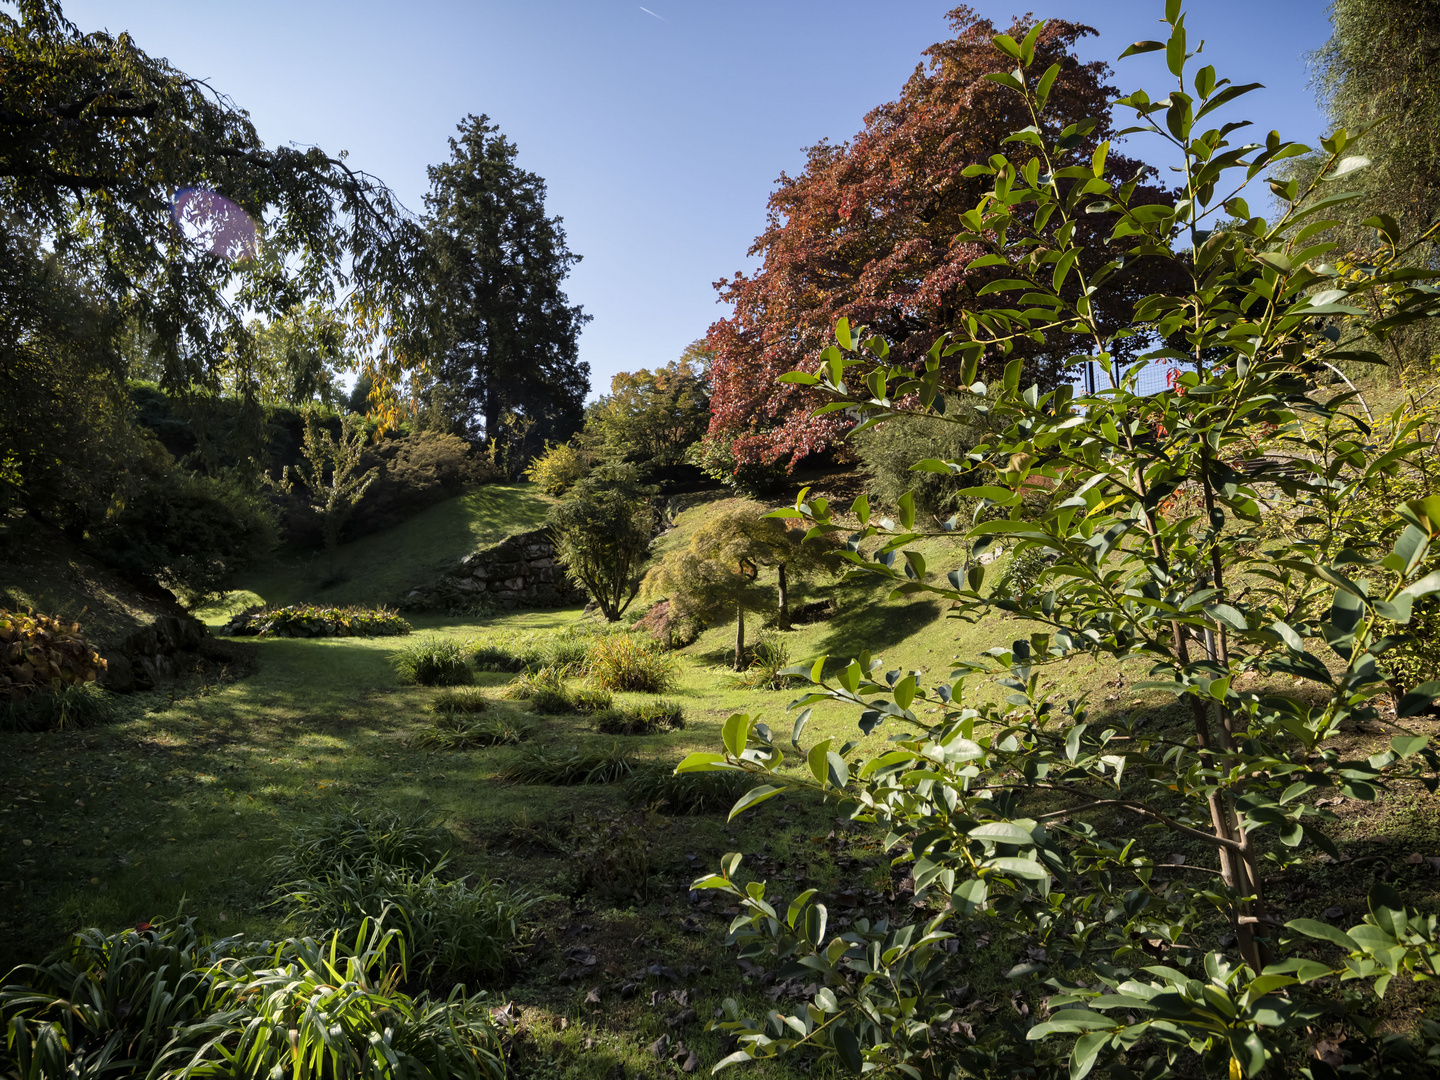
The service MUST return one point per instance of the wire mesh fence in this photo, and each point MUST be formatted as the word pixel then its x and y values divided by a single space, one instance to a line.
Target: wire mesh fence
pixel 1154 378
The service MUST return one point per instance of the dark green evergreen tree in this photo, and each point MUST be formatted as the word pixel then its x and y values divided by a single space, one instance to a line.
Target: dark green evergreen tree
pixel 508 334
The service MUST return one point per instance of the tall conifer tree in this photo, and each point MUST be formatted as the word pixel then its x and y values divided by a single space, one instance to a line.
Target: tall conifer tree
pixel 510 335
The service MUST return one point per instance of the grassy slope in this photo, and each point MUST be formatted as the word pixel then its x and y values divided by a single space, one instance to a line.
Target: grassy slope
pixel 184 800
pixel 379 568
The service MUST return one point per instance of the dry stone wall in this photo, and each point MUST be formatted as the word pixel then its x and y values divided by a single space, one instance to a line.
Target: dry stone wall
pixel 520 571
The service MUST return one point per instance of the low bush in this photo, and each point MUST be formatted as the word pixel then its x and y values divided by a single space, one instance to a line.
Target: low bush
pixel 162 1002
pixel 433 663
pixel 308 621
pixel 189 532
pixel 1024 573
pixel 659 786
pixel 461 731
pixel 625 662
pixel 563 768
pixel 40 652
pixel 647 718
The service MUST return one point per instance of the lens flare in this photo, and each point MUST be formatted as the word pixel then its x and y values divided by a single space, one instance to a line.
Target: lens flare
pixel 215 223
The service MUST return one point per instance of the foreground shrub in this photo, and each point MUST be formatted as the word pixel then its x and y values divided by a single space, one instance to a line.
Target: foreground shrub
pixel 646 718
pixel 189 532
pixel 433 663
pixel 308 621
pixel 461 731
pixel 162 1002
pixel 562 768
pixel 1132 962
pixel 659 786
pixel 625 662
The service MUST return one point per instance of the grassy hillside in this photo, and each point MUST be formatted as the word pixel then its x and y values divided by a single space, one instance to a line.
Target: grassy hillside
pixel 380 567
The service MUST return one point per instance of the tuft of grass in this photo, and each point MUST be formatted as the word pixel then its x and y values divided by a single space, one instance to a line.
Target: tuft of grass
pixel 647 718
pixel 660 787
pixel 464 699
pixel 433 662
pixel 63 707
pixel 768 659
pixel 591 701
pixel 563 768
pixel 545 690
pixel 452 930
pixel 461 731
pixel 352 837
pixel 626 662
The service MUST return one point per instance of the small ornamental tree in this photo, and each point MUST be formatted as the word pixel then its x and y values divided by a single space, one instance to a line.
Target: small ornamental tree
pixel 1198 533
pixel 328 472
pixel 603 532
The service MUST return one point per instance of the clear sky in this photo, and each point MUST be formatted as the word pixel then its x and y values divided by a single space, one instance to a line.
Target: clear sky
pixel 660 128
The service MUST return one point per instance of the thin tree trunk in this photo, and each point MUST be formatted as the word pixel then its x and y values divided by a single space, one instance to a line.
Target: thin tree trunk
pixel 739 638
pixel 782 617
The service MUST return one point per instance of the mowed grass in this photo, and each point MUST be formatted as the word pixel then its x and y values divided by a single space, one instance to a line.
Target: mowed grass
pixel 381 567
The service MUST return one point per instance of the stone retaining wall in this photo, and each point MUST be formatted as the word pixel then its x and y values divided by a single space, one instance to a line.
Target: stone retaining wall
pixel 520 571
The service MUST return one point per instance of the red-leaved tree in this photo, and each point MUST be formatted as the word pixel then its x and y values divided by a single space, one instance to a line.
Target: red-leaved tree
pixel 867 231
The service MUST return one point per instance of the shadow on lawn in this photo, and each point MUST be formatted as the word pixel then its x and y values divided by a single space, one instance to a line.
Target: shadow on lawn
pixel 873 625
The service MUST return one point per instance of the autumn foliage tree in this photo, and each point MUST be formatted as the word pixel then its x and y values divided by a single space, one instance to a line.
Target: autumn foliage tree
pixel 867 232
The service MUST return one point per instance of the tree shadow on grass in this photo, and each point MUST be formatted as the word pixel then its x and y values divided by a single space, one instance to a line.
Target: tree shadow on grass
pixel 870 622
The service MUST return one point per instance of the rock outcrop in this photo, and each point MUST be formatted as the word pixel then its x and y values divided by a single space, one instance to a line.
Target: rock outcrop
pixel 520 571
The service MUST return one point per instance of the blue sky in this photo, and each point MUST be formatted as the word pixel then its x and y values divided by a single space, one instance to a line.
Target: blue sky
pixel 659 132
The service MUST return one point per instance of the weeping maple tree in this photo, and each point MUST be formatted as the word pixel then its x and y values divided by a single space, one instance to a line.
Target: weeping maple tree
pixel 867 232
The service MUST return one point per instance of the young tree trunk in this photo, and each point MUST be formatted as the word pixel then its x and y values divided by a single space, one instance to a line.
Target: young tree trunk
pixel 782 616
pixel 739 638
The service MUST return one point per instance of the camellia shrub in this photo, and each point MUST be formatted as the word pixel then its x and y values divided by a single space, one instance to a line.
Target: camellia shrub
pixel 1046 824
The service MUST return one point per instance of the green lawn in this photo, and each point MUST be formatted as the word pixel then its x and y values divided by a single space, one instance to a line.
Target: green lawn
pixel 180 804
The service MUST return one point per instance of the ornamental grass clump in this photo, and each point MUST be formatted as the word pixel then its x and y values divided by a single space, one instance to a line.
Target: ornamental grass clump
pixel 308 621
pixel 659 786
pixel 563 768
pixel 163 1002
pixel 463 731
pixel 433 662
pixel 645 718
pixel 626 662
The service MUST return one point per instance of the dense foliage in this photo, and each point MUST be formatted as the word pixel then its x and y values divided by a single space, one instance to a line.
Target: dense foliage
pixel 101 140
pixel 867 231
pixel 1009 813
pixel 650 418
